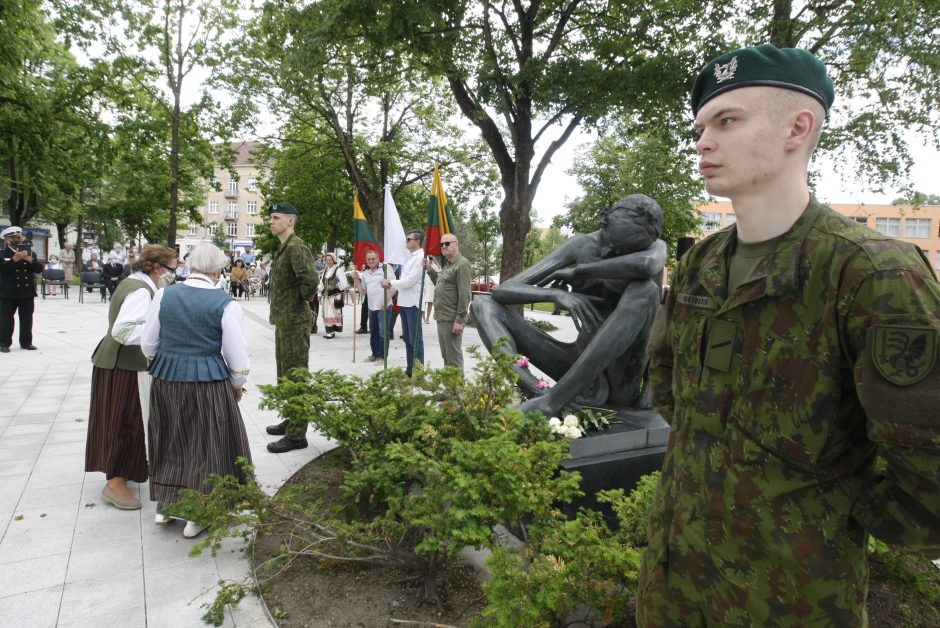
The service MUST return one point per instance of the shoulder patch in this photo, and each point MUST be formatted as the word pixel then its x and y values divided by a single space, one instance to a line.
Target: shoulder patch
pixel 904 355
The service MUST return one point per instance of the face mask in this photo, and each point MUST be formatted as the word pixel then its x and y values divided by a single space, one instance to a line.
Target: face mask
pixel 167 280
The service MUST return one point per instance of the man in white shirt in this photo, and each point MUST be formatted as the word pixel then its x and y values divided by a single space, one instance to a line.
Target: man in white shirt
pixel 90 248
pixel 369 283
pixel 409 297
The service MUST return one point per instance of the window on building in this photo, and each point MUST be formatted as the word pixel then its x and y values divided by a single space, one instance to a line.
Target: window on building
pixel 233 185
pixel 917 228
pixel 888 226
pixel 213 207
pixel 936 263
pixel 861 220
pixel 193 229
pixel 711 221
pixel 250 230
pixel 730 219
pixel 252 185
pixel 232 211
pixel 231 229
pixel 252 207
pixel 212 229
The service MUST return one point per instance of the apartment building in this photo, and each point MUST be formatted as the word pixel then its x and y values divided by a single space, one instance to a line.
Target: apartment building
pixel 234 209
pixel 920 226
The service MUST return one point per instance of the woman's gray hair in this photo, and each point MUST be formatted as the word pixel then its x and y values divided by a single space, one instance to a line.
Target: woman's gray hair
pixel 206 259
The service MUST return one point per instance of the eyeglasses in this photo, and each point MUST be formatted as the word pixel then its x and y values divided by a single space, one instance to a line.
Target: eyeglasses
pixel 443 244
pixel 172 270
pixel 410 239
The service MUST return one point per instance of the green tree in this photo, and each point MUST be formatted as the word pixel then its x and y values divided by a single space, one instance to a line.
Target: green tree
pixel 485 228
pixel 885 60
pixel 657 163
pixel 917 199
pixel 137 193
pixel 386 121
pixel 527 74
pixel 52 140
pixel 185 35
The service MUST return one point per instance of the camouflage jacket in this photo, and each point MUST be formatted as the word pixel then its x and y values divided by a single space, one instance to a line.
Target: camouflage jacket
pixel 293 282
pixel 780 397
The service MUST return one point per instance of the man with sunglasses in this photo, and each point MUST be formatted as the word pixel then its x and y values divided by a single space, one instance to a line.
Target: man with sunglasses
pixel 610 281
pixel 408 288
pixel 451 300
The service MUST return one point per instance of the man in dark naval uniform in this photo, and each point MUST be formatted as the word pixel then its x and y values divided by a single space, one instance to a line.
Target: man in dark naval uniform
pixel 17 289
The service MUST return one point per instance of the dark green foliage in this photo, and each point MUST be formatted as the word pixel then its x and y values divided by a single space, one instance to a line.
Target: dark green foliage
pixel 579 564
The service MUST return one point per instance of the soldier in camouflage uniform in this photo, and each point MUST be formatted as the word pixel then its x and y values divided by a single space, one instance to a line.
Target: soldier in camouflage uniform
pixel 293 283
pixel 794 348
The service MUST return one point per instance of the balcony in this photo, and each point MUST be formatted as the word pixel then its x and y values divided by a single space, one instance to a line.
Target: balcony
pixel 230 193
pixel 231 216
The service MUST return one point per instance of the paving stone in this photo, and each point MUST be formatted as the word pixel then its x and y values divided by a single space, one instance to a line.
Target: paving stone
pixel 35 608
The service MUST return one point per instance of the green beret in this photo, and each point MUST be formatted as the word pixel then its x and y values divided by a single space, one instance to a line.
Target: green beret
pixel 788 68
pixel 283 208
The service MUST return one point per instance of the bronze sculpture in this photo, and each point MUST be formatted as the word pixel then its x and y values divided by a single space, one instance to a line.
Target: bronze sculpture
pixel 610 281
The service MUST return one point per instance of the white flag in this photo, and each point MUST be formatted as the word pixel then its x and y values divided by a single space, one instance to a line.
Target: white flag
pixel 394 241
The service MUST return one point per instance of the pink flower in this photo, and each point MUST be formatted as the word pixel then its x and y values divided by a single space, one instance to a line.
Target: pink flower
pixel 522 362
pixel 543 385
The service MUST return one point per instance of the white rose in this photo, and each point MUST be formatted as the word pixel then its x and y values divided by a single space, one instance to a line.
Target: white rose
pixel 573 432
pixel 571 421
pixel 554 421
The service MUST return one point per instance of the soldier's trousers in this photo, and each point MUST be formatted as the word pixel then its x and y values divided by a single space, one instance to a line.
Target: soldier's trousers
pixel 291 351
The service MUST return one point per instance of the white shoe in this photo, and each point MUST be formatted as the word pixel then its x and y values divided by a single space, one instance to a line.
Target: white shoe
pixel 193 529
pixel 162 520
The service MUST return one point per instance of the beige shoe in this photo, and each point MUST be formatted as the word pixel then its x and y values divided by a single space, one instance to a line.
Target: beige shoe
pixel 107 495
pixel 162 520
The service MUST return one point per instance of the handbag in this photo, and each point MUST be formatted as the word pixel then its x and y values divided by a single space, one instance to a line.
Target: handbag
pixel 338 301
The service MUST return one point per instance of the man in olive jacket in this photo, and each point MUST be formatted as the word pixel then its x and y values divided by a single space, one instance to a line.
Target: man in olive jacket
pixel 293 282
pixel 451 300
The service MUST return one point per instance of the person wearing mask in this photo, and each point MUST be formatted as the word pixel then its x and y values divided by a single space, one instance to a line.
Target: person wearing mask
pixel 53 264
pixel 194 339
pixel 238 279
pixel 120 386
pixel 113 273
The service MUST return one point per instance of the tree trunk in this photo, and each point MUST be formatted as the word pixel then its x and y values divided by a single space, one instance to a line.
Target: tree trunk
pixel 427 592
pixel 174 168
pixel 781 25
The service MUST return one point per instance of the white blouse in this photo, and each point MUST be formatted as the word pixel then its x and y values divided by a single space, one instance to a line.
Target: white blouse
pixel 129 325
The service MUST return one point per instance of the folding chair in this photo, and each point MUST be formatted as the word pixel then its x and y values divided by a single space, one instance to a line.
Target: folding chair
pixel 93 280
pixel 54 277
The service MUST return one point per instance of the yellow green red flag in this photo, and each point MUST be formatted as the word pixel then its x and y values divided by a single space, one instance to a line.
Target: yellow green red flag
pixel 363 236
pixel 439 219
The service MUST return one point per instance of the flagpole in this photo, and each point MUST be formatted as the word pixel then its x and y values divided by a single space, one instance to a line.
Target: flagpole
pixel 355 307
pixel 384 318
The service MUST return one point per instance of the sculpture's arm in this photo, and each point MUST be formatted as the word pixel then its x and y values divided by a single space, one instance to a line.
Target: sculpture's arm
pixel 646 264
pixel 524 287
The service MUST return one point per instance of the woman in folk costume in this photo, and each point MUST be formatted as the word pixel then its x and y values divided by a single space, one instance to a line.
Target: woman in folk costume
pixel 333 286
pixel 195 339
pixel 67 259
pixel 115 444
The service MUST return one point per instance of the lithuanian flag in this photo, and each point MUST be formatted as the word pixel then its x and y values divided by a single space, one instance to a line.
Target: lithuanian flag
pixel 363 237
pixel 439 219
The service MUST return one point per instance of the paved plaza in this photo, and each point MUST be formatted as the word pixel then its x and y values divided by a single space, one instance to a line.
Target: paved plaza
pixel 67 558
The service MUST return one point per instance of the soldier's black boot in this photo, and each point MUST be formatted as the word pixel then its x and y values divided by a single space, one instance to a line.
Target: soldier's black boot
pixel 286 444
pixel 277 430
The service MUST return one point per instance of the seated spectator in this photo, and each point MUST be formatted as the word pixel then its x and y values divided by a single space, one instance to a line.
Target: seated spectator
pixel 239 279
pixel 113 273
pixel 53 264
pixel 182 271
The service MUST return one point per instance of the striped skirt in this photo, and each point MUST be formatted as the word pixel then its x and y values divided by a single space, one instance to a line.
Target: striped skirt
pixel 195 430
pixel 115 444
